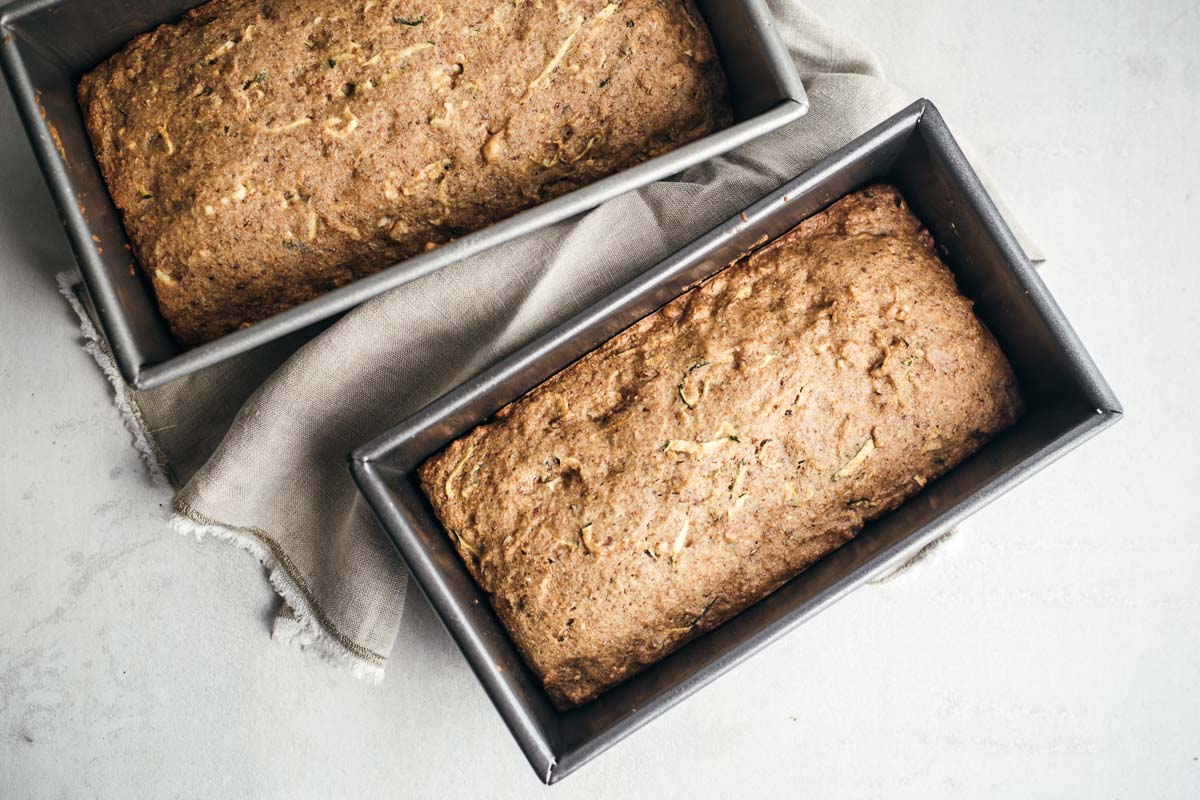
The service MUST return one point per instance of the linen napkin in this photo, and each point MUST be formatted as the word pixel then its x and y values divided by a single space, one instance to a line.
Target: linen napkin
pixel 255 448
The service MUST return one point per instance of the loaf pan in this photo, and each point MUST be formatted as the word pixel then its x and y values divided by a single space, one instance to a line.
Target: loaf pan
pixel 1068 402
pixel 49 44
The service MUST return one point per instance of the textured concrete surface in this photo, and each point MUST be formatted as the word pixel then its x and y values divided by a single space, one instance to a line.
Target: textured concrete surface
pixel 1052 650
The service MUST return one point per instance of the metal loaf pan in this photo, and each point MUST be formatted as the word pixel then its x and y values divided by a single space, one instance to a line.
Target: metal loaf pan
pixel 49 44
pixel 1068 401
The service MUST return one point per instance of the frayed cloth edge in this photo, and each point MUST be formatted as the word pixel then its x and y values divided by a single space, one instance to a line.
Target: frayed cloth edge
pixel 303 631
pixel 131 415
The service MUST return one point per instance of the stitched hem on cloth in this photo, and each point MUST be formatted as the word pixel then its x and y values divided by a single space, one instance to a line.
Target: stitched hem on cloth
pixel 310 630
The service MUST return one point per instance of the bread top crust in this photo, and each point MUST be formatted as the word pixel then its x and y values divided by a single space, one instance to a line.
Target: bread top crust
pixel 698 460
pixel 263 152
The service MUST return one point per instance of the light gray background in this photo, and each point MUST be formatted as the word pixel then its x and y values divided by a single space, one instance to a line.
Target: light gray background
pixel 1051 650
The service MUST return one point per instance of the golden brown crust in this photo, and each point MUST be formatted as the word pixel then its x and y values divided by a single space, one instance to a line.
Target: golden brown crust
pixel 700 459
pixel 263 152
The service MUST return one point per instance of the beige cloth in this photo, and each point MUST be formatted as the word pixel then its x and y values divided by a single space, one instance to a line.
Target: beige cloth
pixel 257 447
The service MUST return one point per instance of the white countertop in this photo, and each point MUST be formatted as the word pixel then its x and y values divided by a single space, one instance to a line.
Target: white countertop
pixel 1050 650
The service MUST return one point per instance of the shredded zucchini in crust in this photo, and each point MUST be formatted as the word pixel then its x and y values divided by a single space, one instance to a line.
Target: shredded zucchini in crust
pixel 454 472
pixel 559 55
pixel 340 128
pixel 296 123
pixel 680 540
pixel 465 544
pixel 691 396
pixel 696 620
pixel 697 448
pixel 853 465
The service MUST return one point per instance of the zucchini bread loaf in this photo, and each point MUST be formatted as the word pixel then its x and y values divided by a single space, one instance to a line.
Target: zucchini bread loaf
pixel 262 152
pixel 700 459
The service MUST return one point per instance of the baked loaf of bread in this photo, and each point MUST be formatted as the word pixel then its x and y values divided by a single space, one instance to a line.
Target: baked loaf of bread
pixel 700 459
pixel 265 151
